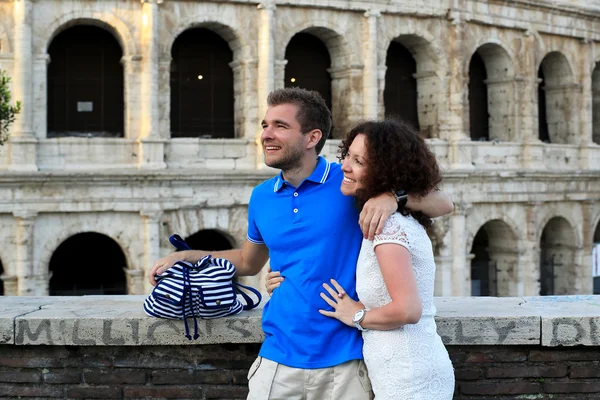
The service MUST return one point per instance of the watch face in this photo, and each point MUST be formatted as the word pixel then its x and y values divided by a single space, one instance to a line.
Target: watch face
pixel 358 315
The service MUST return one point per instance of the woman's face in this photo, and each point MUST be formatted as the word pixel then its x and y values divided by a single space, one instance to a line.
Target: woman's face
pixel 354 166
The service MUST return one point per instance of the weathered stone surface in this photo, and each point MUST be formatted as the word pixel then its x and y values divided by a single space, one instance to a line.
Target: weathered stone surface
pixel 486 320
pixel 121 321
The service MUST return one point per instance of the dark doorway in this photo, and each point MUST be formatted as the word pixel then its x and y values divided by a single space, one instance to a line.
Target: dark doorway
pixel 548 264
pixel 1 281
pixel 596 243
pixel 210 240
pixel 202 100
pixel 482 267
pixel 307 63
pixel 596 104
pixel 88 264
pixel 479 118
pixel 544 134
pixel 400 93
pixel 85 84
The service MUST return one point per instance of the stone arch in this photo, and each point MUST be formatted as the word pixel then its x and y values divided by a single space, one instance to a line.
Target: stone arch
pixel 476 220
pixel 429 85
pixel 213 23
pixel 105 272
pixel 495 259
pixel 104 20
pixel 339 53
pixel 499 90
pixel 558 93
pixel 86 63
pixel 68 231
pixel 234 38
pixel 422 44
pixel 339 49
pixel 308 65
pixel 558 243
pixel 547 215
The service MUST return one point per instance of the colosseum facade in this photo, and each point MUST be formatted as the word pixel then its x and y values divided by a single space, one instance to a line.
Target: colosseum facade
pixel 141 119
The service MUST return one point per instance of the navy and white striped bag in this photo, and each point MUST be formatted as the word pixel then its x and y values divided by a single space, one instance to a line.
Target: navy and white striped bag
pixel 204 289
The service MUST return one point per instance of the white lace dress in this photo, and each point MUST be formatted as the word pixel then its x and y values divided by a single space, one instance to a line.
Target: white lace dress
pixel 411 362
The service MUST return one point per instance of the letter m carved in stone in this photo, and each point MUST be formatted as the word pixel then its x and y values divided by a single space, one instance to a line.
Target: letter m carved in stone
pixel 23 329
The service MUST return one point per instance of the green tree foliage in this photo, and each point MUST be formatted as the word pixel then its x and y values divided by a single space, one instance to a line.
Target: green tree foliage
pixel 7 110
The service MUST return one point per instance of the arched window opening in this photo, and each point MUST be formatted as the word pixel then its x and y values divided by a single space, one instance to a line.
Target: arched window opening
pixel 478 100
pixel 202 100
pixel 1 281
pixel 544 136
pixel 557 257
pixel 596 259
pixel 88 264
pixel 558 95
pixel 400 93
pixel 85 84
pixel 483 269
pixel 596 104
pixel 210 240
pixel 495 266
pixel 308 63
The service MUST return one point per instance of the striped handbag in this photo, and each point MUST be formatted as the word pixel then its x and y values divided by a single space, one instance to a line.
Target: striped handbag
pixel 204 289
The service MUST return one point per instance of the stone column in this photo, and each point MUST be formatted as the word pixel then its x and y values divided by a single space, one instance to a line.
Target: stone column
pixel 370 71
pixel 138 281
pixel 586 107
pixel 529 252
pixel 266 67
pixel 280 73
pixel 456 85
pixel 40 96
pixel 25 271
pixel 586 281
pixel 22 145
pixel 460 266
pixel 442 248
pixel 151 150
pixel 345 99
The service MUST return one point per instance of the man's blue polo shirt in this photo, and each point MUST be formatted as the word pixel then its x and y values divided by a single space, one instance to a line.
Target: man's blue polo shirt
pixel 313 235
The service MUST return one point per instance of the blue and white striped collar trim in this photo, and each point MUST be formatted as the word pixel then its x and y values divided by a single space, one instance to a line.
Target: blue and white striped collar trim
pixel 319 175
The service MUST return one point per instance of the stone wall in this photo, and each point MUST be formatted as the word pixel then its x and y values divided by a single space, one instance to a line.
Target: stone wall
pixel 106 348
pixel 220 372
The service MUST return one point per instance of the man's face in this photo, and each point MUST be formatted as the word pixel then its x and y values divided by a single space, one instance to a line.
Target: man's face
pixel 282 139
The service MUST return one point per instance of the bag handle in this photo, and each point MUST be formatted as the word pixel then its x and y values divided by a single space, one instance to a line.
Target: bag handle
pixel 250 304
pixel 180 244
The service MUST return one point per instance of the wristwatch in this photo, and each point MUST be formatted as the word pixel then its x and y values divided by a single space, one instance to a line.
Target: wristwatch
pixel 401 197
pixel 358 318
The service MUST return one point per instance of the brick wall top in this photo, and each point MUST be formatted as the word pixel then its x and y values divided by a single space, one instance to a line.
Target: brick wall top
pixel 120 321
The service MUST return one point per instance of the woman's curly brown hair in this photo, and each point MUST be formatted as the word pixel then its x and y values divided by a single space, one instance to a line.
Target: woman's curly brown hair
pixel 397 159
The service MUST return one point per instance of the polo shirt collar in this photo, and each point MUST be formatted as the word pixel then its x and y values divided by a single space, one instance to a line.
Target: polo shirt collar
pixel 319 175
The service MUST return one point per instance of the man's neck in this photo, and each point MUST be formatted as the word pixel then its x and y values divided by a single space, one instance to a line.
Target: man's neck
pixel 296 176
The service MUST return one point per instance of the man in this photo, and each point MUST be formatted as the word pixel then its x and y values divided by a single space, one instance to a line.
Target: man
pixel 302 222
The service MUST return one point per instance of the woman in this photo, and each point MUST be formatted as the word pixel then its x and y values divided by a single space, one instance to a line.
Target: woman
pixel 395 273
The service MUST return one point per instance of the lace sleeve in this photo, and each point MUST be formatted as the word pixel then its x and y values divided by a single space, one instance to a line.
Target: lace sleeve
pixel 393 232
